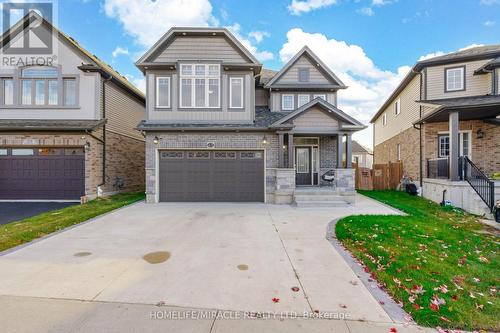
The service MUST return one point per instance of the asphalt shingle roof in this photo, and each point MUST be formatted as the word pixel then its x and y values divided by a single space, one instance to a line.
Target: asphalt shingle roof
pixel 49 125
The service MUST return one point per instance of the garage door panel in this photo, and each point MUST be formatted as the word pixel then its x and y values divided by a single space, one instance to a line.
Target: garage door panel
pixel 211 176
pixel 42 177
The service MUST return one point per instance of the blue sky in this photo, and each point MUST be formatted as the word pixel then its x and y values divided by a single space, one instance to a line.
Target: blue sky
pixel 370 44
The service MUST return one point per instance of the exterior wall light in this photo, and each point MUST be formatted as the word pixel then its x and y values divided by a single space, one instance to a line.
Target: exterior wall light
pixel 156 140
pixel 264 140
pixel 480 134
pixel 86 146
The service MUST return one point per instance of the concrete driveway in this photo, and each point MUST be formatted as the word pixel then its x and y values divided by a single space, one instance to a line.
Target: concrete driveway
pixel 204 256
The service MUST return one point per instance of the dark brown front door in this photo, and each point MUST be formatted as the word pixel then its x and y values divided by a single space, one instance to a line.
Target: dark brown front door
pixel 42 174
pixel 303 166
pixel 211 175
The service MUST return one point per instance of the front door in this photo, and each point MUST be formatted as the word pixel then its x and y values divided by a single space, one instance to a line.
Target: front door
pixel 303 170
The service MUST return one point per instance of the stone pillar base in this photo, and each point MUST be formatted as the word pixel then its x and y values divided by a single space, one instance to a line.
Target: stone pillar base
pixel 345 184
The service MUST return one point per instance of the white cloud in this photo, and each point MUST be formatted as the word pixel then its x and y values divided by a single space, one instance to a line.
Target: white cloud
pixel 369 86
pixel 119 51
pixel 260 55
pixel 470 46
pixel 258 36
pixel 489 23
pixel 148 20
pixel 380 3
pixel 139 82
pixel 431 55
pixel 368 11
pixel 298 7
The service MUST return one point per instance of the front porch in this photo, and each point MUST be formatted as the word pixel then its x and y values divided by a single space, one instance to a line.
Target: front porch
pixel 461 152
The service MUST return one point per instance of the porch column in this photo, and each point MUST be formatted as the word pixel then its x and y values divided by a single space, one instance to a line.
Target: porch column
pixel 281 151
pixel 340 150
pixel 291 155
pixel 454 146
pixel 348 152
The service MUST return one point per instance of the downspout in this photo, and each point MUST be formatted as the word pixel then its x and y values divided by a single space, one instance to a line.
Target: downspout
pixel 103 102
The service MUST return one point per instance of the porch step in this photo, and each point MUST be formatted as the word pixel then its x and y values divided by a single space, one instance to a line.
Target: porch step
pixel 306 204
pixel 316 197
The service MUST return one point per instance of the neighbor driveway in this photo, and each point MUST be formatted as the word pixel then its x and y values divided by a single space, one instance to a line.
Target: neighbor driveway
pixel 16 211
pixel 212 256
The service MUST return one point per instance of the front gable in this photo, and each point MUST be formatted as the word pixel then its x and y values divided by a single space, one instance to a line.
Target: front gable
pixel 315 119
pixel 191 44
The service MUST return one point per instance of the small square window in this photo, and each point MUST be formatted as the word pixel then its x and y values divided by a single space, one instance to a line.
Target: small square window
pixel 302 99
pixel 455 79
pixel 384 119
pixel 303 74
pixel 397 107
pixel 3 152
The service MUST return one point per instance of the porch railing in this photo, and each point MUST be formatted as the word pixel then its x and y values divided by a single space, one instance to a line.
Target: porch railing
pixel 483 186
pixel 437 168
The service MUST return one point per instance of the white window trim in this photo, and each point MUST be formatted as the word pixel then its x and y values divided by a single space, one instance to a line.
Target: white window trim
pixel 384 119
pixel 193 78
pixel 398 153
pixel 302 95
pixel 283 102
pixel 397 106
pixel 323 96
pixel 462 76
pixel 158 78
pixel 460 138
pixel 231 106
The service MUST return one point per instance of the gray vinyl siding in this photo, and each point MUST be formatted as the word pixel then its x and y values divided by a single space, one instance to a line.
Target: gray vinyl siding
pixel 291 76
pixel 474 84
pixel 498 81
pixel 206 48
pixel 315 120
pixel 223 114
pixel 261 97
pixel 275 101
pixel 123 112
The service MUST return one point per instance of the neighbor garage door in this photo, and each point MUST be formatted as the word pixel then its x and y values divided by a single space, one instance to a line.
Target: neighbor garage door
pixel 202 175
pixel 42 173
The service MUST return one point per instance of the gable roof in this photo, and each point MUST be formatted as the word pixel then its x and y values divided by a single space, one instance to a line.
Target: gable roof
pixel 191 31
pixel 359 148
pixel 473 53
pixel 352 124
pixel 319 64
pixel 32 16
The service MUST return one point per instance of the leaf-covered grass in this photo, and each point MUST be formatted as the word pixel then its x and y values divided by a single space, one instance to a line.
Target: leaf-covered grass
pixel 439 262
pixel 19 232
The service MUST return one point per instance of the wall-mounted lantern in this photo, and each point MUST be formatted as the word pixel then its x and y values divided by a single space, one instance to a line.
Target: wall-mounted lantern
pixel 156 140
pixel 479 134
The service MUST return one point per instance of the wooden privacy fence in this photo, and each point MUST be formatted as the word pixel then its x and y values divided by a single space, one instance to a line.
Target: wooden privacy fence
pixel 381 177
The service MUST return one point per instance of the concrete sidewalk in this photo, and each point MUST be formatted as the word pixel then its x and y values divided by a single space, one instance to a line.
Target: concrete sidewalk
pixel 28 314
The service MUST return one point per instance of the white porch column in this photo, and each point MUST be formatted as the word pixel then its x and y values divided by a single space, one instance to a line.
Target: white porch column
pixel 340 150
pixel 454 145
pixel 348 152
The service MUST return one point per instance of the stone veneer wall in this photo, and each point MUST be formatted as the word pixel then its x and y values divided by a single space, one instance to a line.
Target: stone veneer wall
pixel 485 151
pixel 345 184
pixel 222 140
pixel 93 157
pixel 124 159
pixel 386 152
pixel 328 156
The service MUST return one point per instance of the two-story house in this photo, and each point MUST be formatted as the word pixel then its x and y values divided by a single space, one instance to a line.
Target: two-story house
pixel 442 122
pixel 220 128
pixel 67 129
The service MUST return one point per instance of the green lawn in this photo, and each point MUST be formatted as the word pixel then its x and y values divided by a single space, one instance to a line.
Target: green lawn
pixel 23 231
pixel 441 263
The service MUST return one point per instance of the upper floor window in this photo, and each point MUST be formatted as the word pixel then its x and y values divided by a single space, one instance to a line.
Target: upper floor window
pixel 39 86
pixel 287 102
pixel 384 119
pixel 302 99
pixel 322 96
pixel 397 107
pixel 455 79
pixel 200 86
pixel 236 92
pixel 163 92
pixel 303 74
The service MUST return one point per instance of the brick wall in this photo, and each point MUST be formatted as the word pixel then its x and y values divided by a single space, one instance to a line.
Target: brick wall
pixel 124 159
pixel 485 151
pixel 386 152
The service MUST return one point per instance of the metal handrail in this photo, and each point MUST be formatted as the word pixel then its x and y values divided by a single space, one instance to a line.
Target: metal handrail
pixel 483 186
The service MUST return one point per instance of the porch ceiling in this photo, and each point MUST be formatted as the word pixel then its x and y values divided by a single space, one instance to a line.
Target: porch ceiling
pixel 469 108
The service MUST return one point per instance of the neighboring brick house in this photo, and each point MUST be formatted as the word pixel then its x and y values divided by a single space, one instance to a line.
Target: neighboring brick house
pixel 221 128
pixel 67 131
pixel 457 93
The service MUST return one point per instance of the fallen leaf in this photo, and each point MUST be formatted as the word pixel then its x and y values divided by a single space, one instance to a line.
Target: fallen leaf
pixel 434 307
pixel 444 319
pixel 275 300
pixel 295 289
pixel 393 330
pixel 416 306
pixel 343 306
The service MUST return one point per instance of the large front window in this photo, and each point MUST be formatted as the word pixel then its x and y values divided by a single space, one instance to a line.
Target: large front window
pixel 200 86
pixel 40 87
pixel 444 144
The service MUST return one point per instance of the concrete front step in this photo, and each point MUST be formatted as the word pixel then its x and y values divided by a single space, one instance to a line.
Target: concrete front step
pixel 326 197
pixel 307 204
